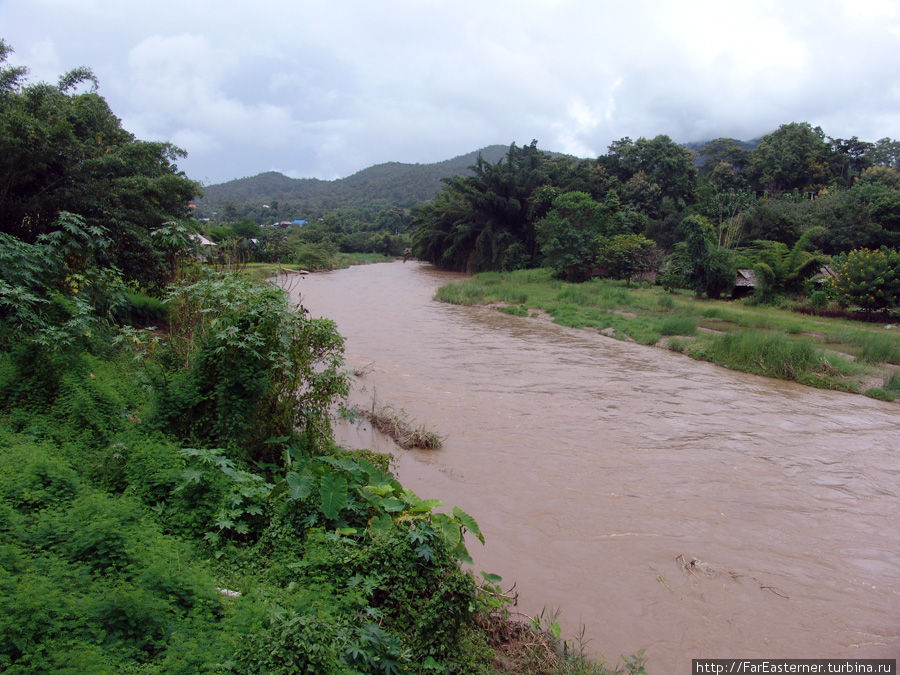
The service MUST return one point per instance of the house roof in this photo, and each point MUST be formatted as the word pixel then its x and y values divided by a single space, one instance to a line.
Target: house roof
pixel 746 278
pixel 201 240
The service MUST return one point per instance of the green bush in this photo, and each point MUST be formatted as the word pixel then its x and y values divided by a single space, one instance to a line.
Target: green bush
pixel 133 621
pixel 94 530
pixel 143 310
pixel 87 580
pixel 514 310
pixel 96 487
pixel 32 478
pixel 313 256
pixel 869 279
pixel 818 299
pixel 293 643
pixel 89 406
pixel 254 369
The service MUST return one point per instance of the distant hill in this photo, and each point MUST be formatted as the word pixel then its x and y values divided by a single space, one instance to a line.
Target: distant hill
pixel 379 187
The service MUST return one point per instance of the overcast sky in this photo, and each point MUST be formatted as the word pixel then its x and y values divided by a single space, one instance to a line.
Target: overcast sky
pixel 324 89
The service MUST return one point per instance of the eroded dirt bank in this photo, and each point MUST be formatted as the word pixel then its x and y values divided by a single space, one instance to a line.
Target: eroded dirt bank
pixel 662 502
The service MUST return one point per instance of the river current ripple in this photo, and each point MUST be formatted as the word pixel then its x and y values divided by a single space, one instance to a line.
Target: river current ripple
pixel 662 503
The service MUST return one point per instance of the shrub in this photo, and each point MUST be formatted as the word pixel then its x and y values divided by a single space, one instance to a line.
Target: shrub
pixel 293 643
pixel 133 621
pixel 313 256
pixel 254 369
pixel 869 279
pixel 95 530
pixel 818 299
pixel 32 479
pixel 515 310
pixel 143 310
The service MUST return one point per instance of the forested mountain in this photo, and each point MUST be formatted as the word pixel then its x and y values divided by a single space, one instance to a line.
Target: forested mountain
pixel 380 187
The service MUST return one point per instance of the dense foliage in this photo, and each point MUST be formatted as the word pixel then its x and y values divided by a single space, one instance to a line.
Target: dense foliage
pixel 869 279
pixel 170 496
pixel 143 472
pixel 62 149
pixel 780 207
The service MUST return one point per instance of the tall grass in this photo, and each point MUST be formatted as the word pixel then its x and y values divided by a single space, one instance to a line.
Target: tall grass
pixel 772 355
pixel 513 296
pixel 595 295
pixel 678 325
pixel 465 293
pixel 876 348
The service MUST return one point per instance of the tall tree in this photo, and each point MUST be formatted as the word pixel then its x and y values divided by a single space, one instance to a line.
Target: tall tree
pixel 710 269
pixel 885 152
pixel 851 157
pixel 728 150
pixel 569 234
pixel 795 157
pixel 664 167
pixel 61 150
pixel 483 221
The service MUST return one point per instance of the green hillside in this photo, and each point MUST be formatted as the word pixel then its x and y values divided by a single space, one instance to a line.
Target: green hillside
pixel 380 187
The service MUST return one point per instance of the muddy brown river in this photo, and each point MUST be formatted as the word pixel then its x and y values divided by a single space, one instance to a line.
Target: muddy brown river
pixel 662 503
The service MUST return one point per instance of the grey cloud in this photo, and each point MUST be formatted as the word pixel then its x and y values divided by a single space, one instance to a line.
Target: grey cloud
pixel 316 89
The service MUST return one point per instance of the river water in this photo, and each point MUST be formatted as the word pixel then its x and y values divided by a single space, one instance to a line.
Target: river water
pixel 661 503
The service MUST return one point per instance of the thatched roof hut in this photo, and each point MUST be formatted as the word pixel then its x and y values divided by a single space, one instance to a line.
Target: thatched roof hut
pixel 745 281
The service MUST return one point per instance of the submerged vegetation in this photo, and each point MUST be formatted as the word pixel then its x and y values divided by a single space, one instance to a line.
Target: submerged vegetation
pixel 396 424
pixel 831 353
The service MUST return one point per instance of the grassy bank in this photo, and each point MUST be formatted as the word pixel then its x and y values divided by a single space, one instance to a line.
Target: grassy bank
pixel 259 271
pixel 829 353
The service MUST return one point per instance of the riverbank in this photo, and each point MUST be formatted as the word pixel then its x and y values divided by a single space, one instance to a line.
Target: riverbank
pixel 580 458
pixel 259 271
pixel 822 352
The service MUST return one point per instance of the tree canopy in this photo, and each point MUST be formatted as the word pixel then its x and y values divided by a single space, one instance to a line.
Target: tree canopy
pixel 63 149
pixel 516 212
